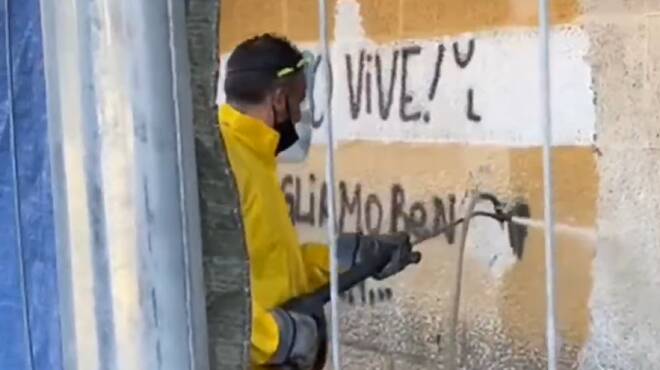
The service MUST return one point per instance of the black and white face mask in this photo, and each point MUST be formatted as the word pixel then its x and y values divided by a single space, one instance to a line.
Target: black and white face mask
pixel 287 130
pixel 296 137
pixel 298 149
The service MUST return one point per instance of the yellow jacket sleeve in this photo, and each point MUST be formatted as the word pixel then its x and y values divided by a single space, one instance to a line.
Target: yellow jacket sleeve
pixel 317 264
pixel 265 335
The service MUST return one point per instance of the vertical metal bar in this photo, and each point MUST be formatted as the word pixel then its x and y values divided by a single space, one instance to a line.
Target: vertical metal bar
pixel 330 171
pixel 546 120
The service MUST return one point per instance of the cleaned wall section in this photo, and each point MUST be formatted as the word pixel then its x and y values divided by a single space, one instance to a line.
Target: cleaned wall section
pixel 624 303
pixel 433 98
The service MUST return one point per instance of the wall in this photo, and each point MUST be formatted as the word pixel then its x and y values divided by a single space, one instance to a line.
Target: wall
pixel 625 60
pixel 435 98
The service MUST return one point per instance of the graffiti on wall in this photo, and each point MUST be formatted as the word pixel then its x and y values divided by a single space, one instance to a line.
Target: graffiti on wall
pixel 368 212
pixel 452 89
pixel 373 76
pixel 360 209
pixel 364 211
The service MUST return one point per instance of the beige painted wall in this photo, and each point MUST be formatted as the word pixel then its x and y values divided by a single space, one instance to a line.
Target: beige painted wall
pixel 606 280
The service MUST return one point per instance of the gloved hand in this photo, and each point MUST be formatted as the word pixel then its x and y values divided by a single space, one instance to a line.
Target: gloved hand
pixel 313 308
pixel 395 249
pixel 302 342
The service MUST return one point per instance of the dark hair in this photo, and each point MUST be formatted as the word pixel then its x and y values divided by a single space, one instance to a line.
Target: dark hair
pixel 252 68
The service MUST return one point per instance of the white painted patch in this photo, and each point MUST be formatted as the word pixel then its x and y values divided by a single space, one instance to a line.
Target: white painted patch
pixel 501 74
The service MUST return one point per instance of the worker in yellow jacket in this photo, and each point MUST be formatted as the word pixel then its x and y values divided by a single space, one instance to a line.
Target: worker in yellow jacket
pixel 265 89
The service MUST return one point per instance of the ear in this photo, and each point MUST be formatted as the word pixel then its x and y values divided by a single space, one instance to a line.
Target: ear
pixel 279 99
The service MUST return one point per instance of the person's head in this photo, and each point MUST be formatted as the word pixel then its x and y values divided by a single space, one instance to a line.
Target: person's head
pixel 265 78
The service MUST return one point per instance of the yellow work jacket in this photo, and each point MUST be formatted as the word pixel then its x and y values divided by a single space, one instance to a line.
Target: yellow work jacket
pixel 280 267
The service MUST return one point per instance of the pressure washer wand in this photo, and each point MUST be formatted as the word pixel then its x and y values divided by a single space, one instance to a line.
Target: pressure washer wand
pixel 365 270
pixel 346 281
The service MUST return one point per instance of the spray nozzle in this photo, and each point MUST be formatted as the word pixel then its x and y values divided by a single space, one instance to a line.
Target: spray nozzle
pixel 517 232
pixel 505 214
pixel 498 206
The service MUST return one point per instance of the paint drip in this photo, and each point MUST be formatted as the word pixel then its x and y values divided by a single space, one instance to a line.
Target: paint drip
pixel 585 233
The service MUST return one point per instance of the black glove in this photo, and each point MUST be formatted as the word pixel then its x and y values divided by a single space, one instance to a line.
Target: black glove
pixel 303 342
pixel 390 254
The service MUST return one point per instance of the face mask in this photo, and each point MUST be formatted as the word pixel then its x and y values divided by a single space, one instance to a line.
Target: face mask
pixel 287 131
pixel 298 152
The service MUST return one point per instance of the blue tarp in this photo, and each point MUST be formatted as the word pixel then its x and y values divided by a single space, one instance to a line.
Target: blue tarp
pixel 29 319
